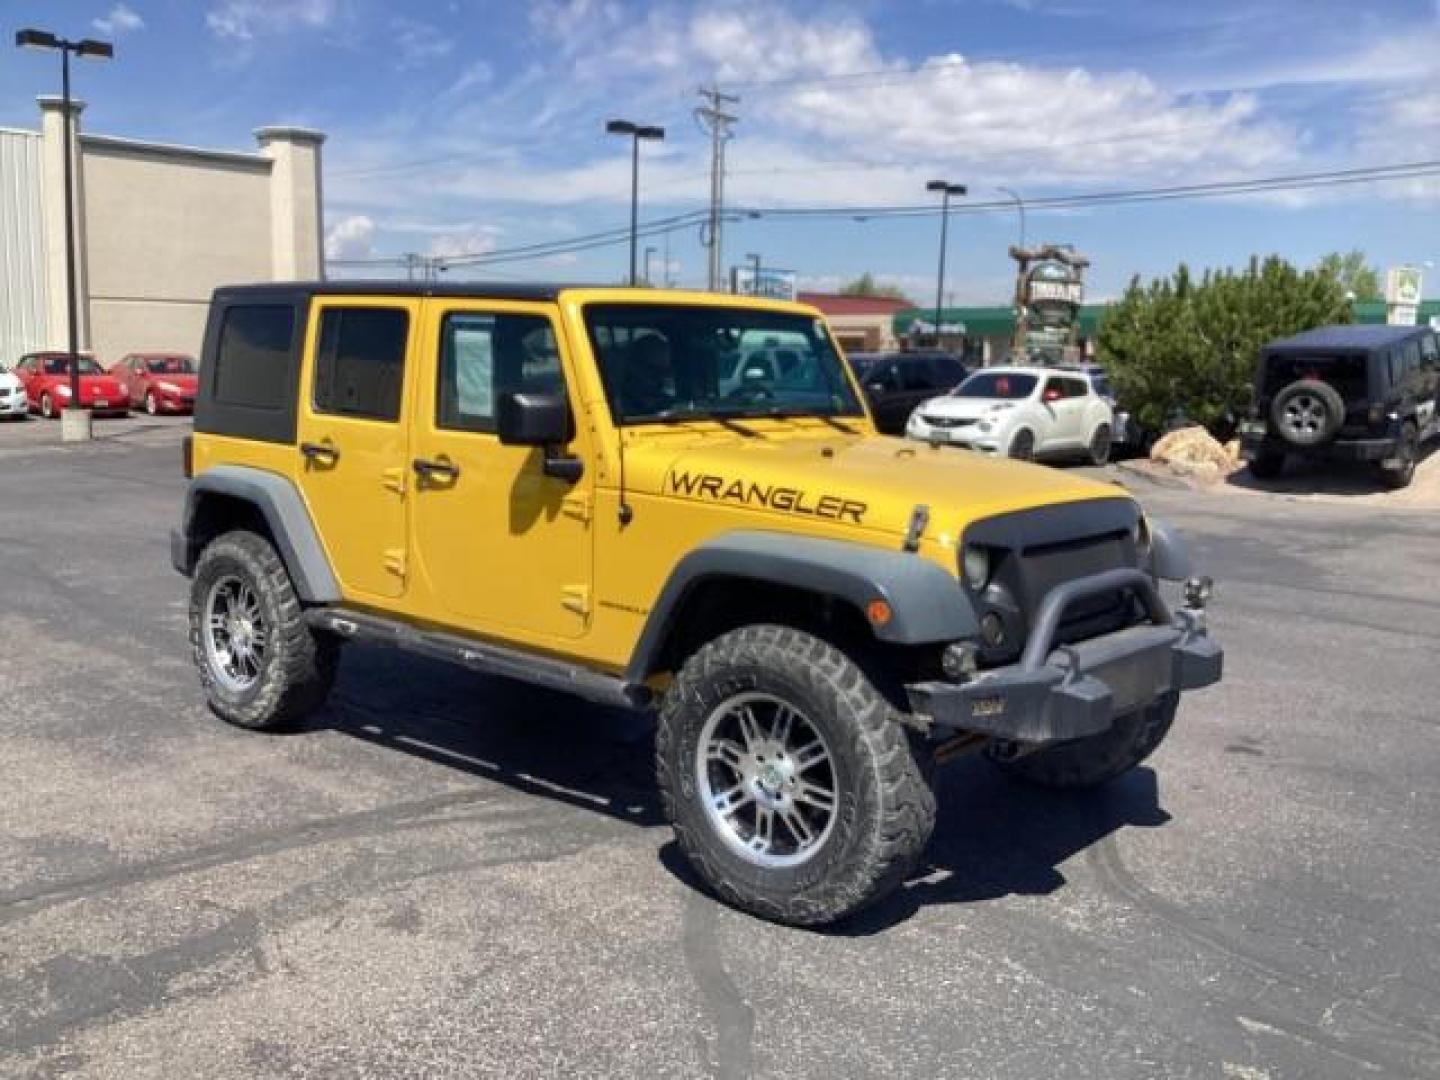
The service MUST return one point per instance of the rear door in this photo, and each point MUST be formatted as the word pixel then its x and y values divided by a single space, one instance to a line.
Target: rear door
pixel 353 437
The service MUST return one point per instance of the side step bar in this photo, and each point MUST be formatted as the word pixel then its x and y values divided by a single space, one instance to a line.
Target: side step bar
pixel 482 656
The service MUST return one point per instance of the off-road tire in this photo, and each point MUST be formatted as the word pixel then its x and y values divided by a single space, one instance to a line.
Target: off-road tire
pixel 1100 446
pixel 1268 465
pixel 1320 403
pixel 1022 445
pixel 1408 451
pixel 1098 759
pixel 299 667
pixel 885 807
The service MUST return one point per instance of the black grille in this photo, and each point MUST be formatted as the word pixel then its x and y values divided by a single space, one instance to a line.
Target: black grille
pixel 945 421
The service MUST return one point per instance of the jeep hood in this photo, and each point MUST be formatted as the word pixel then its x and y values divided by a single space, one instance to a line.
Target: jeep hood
pixel 871 483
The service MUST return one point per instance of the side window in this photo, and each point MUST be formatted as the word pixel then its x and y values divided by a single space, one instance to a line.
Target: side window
pixel 483 356
pixel 1075 388
pixel 360 362
pixel 252 364
pixel 1429 352
pixel 947 372
pixel 914 374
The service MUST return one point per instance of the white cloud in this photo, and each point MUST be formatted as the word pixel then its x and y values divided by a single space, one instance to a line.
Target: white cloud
pixel 468 240
pixel 352 237
pixel 419 43
pixel 121 20
pixel 245 20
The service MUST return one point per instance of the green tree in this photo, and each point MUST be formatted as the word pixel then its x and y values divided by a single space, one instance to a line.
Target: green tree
pixel 1178 345
pixel 865 285
pixel 1355 274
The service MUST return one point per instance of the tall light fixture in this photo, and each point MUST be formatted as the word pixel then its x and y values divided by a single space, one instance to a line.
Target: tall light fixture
pixel 946 190
pixel 86 49
pixel 636 133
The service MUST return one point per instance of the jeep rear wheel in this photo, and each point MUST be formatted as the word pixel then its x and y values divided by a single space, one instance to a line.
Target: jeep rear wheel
pixel 261 665
pixel 1097 759
pixel 1307 413
pixel 792 787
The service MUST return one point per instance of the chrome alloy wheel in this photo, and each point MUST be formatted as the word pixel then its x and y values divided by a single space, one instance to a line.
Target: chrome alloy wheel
pixel 1305 415
pixel 767 780
pixel 236 637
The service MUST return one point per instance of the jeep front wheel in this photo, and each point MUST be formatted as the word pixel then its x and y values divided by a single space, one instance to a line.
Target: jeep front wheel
pixel 261 665
pixel 792 787
pixel 1096 759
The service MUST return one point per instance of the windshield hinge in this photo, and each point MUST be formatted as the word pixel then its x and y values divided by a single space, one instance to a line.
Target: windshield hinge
pixel 919 519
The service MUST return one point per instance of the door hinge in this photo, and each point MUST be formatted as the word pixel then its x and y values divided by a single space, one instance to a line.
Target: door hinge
pixel 577 506
pixel 395 561
pixel 575 598
pixel 393 479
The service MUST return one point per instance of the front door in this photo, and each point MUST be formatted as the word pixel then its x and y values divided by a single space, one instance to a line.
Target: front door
pixel 352 441
pixel 501 547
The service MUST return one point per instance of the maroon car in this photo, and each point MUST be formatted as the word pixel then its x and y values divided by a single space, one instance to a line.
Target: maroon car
pixel 160 382
pixel 46 377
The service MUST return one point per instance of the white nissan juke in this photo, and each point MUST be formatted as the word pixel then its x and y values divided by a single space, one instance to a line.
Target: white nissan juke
pixel 1020 412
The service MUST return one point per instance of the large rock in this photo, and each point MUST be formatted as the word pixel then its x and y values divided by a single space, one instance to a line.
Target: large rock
pixel 1193 450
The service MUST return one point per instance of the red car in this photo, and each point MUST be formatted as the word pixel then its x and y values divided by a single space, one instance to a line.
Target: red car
pixel 46 377
pixel 160 382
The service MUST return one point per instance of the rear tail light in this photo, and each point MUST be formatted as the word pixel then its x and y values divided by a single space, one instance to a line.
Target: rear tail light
pixel 187 456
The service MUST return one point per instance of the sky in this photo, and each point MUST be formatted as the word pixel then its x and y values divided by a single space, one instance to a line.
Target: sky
pixel 466 127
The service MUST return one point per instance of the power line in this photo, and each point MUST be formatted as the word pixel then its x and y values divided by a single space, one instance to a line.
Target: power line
pixel 1213 189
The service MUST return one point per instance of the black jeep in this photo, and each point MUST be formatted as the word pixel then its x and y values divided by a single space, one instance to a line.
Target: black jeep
pixel 1345 393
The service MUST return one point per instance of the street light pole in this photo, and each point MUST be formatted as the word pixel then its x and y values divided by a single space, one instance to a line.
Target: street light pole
pixel 1019 206
pixel 636 133
pixel 43 40
pixel 946 189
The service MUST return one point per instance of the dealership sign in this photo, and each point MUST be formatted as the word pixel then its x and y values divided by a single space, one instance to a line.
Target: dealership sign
pixel 1402 295
pixel 771 284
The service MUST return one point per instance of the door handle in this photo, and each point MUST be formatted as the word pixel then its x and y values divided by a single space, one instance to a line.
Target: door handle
pixel 442 469
pixel 323 452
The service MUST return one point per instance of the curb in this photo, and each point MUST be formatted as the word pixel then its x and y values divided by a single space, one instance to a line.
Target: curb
pixel 1169 483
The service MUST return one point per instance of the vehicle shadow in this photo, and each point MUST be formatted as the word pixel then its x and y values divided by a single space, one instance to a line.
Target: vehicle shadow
pixel 994 837
pixel 536 741
pixel 1308 476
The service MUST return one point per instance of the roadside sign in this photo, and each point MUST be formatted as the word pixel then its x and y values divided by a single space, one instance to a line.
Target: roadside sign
pixel 1403 286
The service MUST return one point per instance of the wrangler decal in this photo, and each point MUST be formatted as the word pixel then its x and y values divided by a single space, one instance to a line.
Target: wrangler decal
pixel 791 500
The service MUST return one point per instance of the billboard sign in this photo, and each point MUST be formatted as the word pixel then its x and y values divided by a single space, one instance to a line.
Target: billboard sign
pixel 772 284
pixel 1402 295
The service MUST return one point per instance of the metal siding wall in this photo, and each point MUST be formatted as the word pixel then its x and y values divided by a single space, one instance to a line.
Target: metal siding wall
pixel 22 247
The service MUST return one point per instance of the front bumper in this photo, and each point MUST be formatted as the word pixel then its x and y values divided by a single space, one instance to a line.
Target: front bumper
pixel 1056 693
pixel 14 406
pixel 968 437
pixel 1256 444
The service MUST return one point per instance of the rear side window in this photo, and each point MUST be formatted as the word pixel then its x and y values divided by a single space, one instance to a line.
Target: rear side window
pixel 252 364
pixel 947 371
pixel 360 362
pixel 915 374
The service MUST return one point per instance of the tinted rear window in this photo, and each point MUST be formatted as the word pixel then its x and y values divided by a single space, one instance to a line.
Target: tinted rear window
pixel 360 365
pixel 994 384
pixel 252 364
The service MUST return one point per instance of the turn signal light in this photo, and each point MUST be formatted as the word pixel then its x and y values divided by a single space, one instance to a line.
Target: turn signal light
pixel 878 612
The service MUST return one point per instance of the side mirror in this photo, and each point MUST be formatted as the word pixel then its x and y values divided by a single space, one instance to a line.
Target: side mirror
pixel 532 419
pixel 539 420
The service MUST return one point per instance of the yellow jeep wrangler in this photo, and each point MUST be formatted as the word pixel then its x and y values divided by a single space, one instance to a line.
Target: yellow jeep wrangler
pixel 671 500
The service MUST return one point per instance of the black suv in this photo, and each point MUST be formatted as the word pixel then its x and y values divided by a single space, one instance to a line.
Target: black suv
pixel 1349 393
pixel 895 383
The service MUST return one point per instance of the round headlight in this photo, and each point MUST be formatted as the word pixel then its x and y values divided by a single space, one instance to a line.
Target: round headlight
pixel 975 562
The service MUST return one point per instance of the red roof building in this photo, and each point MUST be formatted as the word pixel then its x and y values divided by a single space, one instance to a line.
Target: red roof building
pixel 861 323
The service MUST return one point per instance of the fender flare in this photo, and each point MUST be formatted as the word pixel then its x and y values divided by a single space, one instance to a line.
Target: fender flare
pixel 927 603
pixel 279 502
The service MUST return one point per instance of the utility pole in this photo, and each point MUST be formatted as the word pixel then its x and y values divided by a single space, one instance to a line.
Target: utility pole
pixel 716 121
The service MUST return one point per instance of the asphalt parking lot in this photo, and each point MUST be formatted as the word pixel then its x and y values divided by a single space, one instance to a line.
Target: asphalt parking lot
pixel 450 876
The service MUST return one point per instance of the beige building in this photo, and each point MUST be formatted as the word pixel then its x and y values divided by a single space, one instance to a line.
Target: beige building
pixel 157 227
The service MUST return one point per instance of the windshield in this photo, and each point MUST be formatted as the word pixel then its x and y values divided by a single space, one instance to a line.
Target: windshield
pixel 170 365
pixel 60 365
pixel 996 384
pixel 663 362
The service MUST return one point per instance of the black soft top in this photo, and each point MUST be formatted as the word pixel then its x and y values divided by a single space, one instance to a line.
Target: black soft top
pixel 493 290
pixel 1350 339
